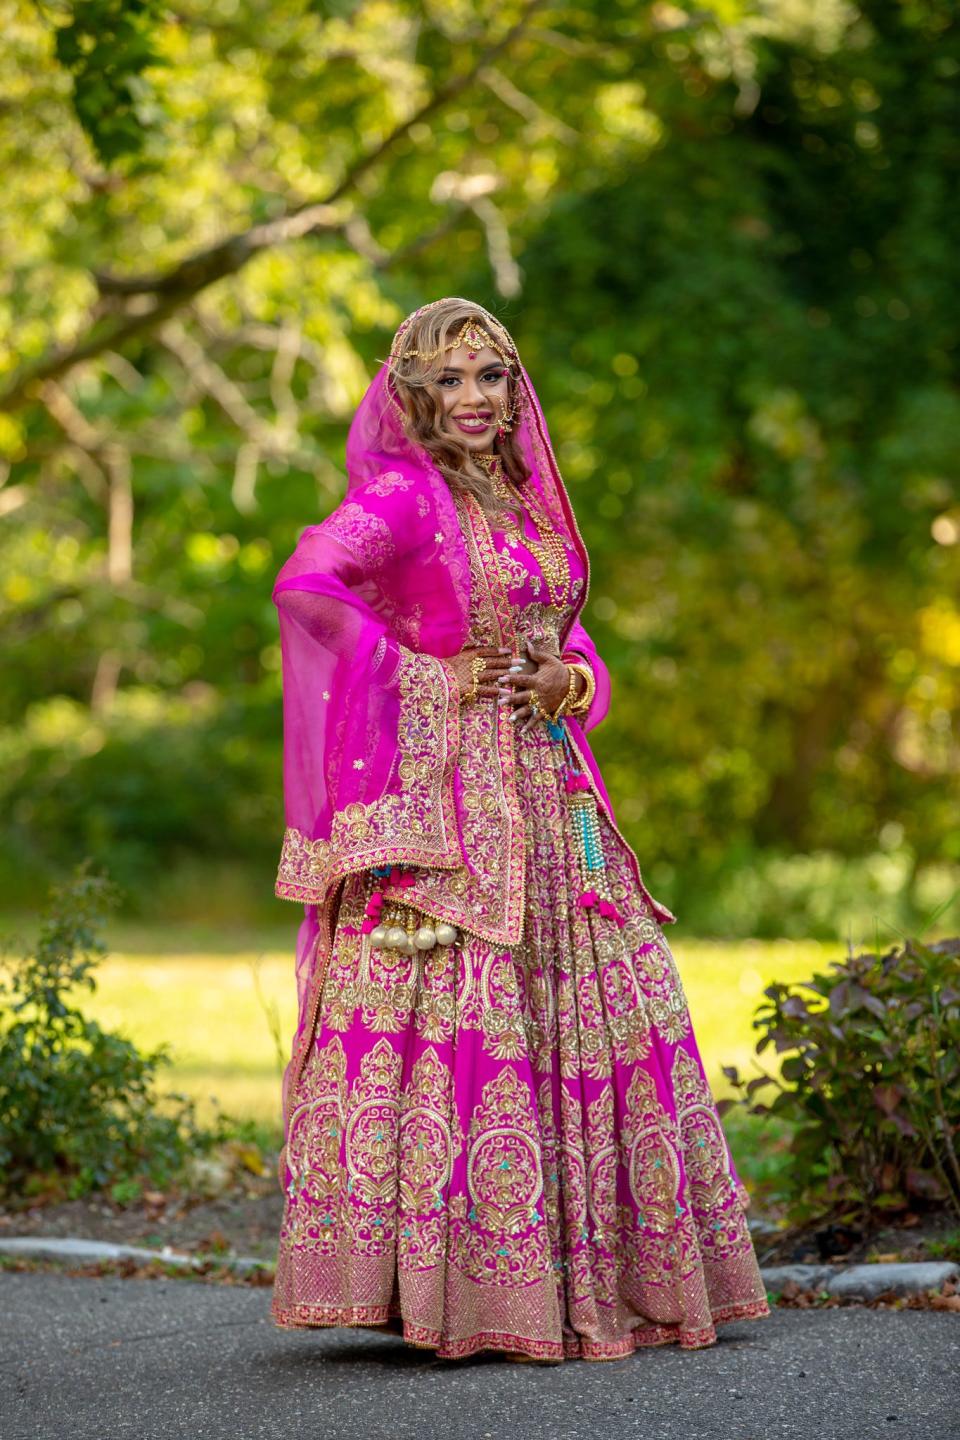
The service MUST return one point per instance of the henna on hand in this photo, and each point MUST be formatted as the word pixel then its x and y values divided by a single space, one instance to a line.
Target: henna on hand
pixel 544 674
pixel 497 659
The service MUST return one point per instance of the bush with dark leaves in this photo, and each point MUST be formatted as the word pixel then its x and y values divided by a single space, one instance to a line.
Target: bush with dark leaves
pixel 79 1106
pixel 869 1082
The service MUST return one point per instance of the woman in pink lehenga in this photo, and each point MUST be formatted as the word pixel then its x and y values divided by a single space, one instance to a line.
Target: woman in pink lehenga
pixel 498 1129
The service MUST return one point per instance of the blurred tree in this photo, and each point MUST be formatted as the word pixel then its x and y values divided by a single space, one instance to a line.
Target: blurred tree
pixel 723 238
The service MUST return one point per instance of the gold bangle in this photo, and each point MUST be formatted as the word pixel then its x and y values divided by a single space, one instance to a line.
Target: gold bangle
pixel 586 699
pixel 567 700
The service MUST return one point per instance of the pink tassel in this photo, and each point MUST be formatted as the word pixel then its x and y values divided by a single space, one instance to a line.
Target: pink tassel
pixel 589 899
pixel 405 879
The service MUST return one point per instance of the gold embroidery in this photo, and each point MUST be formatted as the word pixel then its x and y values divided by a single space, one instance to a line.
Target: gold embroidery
pixel 371 1150
pixel 312 1213
pixel 652 1242
pixel 414 824
pixel 721 1223
pixel 429 1143
pixel 485 898
pixel 492 1241
pixel 515 573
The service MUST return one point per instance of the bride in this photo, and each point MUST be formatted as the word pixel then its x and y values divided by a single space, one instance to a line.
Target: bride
pixel 498 1130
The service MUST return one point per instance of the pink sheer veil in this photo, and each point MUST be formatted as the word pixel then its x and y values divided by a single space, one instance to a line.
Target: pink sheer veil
pixel 387 569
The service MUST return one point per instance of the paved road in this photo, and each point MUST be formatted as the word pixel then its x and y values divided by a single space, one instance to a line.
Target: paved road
pixel 112 1359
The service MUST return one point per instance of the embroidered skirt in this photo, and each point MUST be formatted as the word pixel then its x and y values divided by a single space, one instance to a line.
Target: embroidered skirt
pixel 516 1149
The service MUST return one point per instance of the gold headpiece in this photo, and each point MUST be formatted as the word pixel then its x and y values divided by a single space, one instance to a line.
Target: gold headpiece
pixel 475 336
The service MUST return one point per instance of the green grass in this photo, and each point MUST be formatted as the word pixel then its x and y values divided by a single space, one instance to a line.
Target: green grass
pixel 195 988
pixel 724 981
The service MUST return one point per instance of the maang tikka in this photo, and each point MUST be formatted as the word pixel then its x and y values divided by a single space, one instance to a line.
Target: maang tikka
pixel 472 334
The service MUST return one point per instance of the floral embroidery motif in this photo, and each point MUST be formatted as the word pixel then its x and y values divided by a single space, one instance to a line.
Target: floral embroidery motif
pixel 387 482
pixel 312 1214
pixel 722 1224
pixel 493 1241
pixel 543 622
pixel 371 1148
pixel 653 1166
pixel 654 1241
pixel 367 536
pixel 429 1144
pixel 515 573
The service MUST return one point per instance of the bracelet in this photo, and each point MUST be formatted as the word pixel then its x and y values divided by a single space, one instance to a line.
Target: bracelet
pixel 581 706
pixel 567 701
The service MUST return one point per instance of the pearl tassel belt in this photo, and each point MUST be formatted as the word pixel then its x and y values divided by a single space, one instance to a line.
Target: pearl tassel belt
pixel 394 925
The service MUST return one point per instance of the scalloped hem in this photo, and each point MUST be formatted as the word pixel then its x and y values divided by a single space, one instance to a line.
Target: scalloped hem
pixel 325 1317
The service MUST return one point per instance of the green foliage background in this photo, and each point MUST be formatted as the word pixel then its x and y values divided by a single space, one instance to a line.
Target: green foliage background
pixel 724 237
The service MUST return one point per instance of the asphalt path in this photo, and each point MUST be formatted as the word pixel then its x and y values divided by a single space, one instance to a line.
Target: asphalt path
pixel 114 1359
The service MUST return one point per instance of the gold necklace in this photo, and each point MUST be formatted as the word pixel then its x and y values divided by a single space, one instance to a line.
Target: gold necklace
pixel 549 549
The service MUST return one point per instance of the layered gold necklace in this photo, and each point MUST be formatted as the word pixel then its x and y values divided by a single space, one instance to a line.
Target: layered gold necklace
pixel 549 550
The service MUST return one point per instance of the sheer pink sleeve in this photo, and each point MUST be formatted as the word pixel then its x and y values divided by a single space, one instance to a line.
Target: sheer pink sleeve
pixel 371 723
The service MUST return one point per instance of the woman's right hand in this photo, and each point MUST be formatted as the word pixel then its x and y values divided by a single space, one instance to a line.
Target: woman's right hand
pixel 498 660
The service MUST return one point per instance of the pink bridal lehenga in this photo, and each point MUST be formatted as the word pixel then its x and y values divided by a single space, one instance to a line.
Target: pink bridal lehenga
pixel 508 1141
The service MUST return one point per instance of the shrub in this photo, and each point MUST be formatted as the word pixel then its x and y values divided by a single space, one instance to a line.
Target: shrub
pixel 79 1110
pixel 869 1081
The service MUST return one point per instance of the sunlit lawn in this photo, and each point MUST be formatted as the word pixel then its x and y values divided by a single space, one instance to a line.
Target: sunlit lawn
pixel 197 991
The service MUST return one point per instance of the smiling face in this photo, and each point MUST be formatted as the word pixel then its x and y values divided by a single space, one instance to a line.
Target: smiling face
pixel 474 393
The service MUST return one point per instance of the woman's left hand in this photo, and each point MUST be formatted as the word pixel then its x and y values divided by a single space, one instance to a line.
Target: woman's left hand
pixel 544 674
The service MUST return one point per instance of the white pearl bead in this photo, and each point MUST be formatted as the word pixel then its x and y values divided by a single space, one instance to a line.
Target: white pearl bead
pixel 425 938
pixel 408 947
pixel 395 937
pixel 446 934
pixel 378 935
